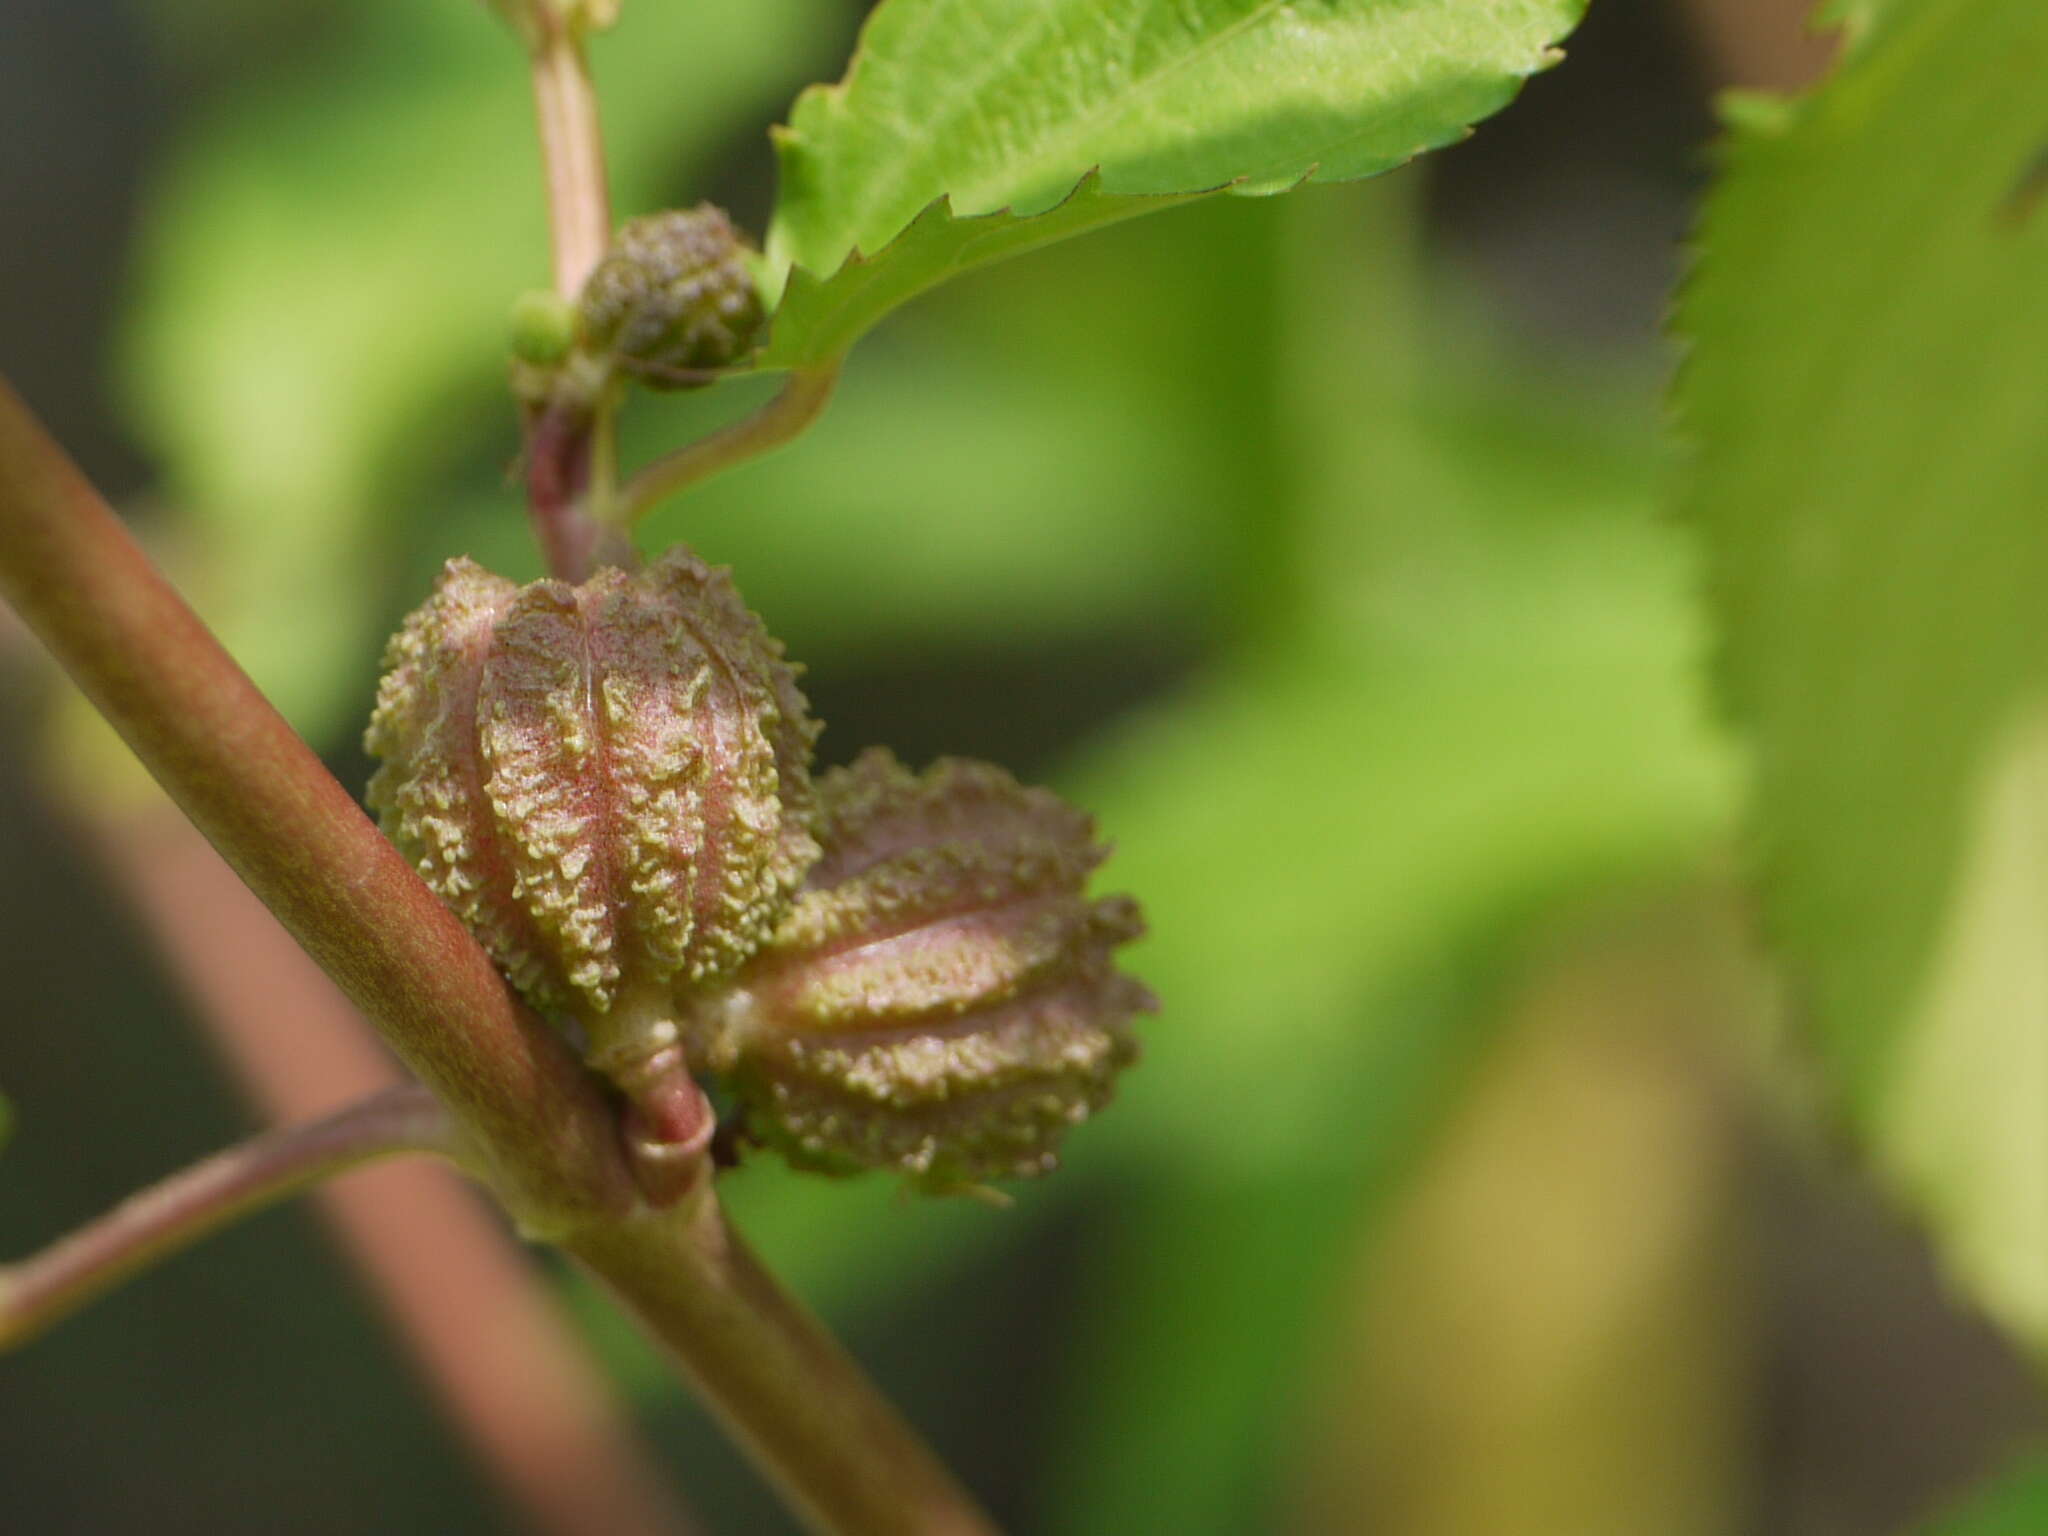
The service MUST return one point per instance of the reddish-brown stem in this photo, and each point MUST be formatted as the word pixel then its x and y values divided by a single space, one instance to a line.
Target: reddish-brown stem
pixel 514 1380
pixel 296 837
pixel 783 1388
pixel 562 441
pixel 209 1195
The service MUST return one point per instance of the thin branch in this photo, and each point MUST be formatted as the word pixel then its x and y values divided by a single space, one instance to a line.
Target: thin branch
pixel 174 1214
pixel 800 402
pixel 298 839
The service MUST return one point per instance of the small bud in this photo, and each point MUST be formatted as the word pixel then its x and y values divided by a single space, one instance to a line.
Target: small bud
pixel 941 1000
pixel 543 327
pixel 609 784
pixel 673 296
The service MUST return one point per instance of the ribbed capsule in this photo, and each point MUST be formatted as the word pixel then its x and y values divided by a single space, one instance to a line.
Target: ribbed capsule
pixel 608 783
pixel 942 999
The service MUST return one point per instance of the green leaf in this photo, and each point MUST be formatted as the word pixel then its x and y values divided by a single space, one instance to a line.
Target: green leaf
pixel 1869 334
pixel 1069 114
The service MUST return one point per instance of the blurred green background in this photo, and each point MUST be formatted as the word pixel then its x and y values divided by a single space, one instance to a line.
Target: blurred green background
pixel 1312 543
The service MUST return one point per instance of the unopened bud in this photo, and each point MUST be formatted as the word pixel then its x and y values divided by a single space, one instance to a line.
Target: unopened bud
pixel 608 783
pixel 942 999
pixel 543 327
pixel 673 297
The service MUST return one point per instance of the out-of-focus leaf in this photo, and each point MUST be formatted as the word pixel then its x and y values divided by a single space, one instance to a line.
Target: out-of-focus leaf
pixel 932 477
pixel 990 487
pixel 1312 831
pixel 1545 1334
pixel 1009 104
pixel 1015 501
pixel 1483 694
pixel 1329 843
pixel 326 278
pixel 2013 1504
pixel 1208 1301
pixel 1870 473
pixel 1475 699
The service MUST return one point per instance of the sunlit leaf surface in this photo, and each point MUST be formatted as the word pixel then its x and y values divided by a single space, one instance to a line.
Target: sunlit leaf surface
pixel 1002 107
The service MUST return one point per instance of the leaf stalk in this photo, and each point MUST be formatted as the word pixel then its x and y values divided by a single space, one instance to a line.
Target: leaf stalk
pixel 175 1213
pixel 801 400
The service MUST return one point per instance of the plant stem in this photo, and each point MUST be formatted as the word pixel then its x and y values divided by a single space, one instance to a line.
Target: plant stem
pixel 780 1384
pixel 533 1118
pixel 572 150
pixel 297 838
pixel 188 1205
pixel 482 1328
pixel 570 451
pixel 568 470
pixel 800 401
